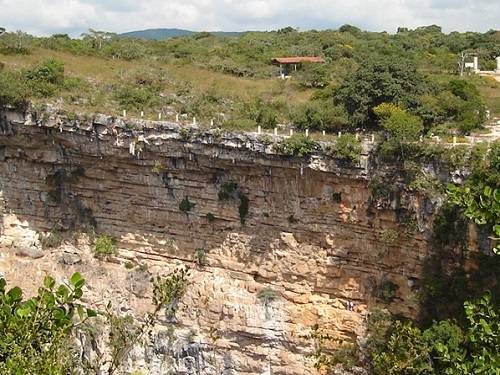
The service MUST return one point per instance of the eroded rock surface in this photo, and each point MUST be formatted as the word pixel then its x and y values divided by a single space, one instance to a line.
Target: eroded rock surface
pixel 313 234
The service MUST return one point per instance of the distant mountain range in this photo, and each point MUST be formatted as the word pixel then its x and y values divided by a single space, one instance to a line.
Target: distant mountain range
pixel 159 34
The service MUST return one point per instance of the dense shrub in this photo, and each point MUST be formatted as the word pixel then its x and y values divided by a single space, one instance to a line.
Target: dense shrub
pixel 46 79
pixel 12 91
pixel 135 97
pixel 104 246
pixel 297 145
pixel 347 148
pixel 401 127
pixel 381 80
pixel 445 347
pixel 186 205
pixel 320 115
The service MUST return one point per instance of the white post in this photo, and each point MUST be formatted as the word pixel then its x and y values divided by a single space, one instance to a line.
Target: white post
pixel 176 117
pixel 324 133
pixel 124 113
pixel 275 131
pixel 194 120
pixel 339 134
pixel 357 136
pixel 142 113
pixel 421 138
pixel 291 132
pixel 373 138
pixel 475 64
pixel 212 123
pixel 159 115
pixel 307 132
pixel 454 140
pixel 259 129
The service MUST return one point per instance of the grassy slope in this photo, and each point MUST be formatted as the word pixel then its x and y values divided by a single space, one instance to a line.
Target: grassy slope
pixel 102 74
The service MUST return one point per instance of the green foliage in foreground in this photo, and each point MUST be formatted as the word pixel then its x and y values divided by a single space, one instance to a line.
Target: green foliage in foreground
pixel 444 348
pixel 36 332
pixel 396 347
pixel 39 334
pixel 481 207
pixel 480 196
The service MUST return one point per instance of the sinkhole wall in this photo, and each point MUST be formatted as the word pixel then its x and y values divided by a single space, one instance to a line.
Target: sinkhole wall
pixel 241 216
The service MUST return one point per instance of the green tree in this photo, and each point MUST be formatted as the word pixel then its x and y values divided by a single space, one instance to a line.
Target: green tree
pixel 483 207
pixel 406 352
pixel 401 126
pixel 479 197
pixel 380 80
pixel 444 348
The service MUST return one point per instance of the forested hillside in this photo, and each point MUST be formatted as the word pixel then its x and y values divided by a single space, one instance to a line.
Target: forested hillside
pixel 232 80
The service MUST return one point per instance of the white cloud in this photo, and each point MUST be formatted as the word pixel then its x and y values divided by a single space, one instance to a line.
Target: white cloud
pixel 44 17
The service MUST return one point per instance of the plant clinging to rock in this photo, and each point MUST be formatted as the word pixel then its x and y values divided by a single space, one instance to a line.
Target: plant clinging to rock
pixel 297 145
pixel 347 148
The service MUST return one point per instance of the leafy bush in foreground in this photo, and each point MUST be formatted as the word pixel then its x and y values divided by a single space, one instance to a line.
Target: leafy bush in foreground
pixel 36 332
pixel 445 348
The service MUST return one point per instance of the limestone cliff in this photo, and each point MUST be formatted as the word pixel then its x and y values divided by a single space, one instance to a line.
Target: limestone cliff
pixel 312 232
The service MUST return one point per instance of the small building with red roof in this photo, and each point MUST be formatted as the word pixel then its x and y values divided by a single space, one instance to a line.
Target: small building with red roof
pixel 294 63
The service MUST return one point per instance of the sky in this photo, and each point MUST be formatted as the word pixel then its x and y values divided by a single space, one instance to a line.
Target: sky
pixel 46 17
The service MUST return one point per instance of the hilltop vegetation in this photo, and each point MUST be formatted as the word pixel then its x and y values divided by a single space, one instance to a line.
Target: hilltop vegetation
pixel 231 79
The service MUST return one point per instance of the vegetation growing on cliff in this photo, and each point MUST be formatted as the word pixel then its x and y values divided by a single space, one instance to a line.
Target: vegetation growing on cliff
pixel 480 195
pixel 230 191
pixel 397 347
pixel 297 145
pixel 346 148
pixel 186 205
pixel 445 347
pixel 104 246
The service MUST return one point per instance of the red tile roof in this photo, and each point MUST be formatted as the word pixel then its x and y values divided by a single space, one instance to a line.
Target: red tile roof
pixel 298 59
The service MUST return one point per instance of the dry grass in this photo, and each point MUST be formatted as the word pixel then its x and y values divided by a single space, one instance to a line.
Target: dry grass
pixel 103 73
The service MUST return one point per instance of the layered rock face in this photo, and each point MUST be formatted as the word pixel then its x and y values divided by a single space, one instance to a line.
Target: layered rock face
pixel 306 231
